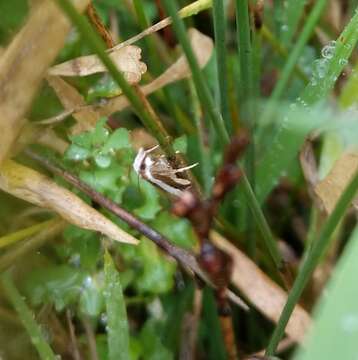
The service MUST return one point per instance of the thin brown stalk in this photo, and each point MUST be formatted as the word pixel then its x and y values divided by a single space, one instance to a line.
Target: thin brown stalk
pixel 99 26
pixel 74 344
pixel 91 339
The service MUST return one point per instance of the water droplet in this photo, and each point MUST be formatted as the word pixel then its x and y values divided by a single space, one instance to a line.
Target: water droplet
pixel 103 319
pixel 88 281
pixel 343 62
pixel 102 160
pixel 329 50
pixel 320 68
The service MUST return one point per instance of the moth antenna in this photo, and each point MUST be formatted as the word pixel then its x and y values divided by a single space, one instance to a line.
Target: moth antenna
pixel 151 149
pixel 185 168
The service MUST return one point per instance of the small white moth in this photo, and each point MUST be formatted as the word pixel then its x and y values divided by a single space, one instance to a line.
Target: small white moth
pixel 159 172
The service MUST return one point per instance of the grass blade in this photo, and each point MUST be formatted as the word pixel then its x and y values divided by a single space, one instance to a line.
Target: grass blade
pixel 200 84
pixel 292 60
pixel 220 47
pixel 294 12
pixel 24 233
pixel 283 148
pixel 336 312
pixel 311 260
pixel 27 318
pixel 117 325
pixel 245 55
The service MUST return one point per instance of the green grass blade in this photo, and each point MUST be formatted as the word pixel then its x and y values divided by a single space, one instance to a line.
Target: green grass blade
pixel 294 13
pixel 282 51
pixel 117 324
pixel 292 60
pixel 334 332
pixel 200 84
pixel 261 222
pixel 245 56
pixel 220 47
pixel 27 318
pixel 97 45
pixel 314 253
pixel 24 233
pixel 287 141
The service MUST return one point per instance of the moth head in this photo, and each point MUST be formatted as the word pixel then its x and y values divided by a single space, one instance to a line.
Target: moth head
pixel 139 160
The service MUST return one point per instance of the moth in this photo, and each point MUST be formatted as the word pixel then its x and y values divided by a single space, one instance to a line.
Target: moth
pixel 159 172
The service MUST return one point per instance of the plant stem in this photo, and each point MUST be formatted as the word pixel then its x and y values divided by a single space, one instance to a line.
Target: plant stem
pixel 92 38
pixel 220 47
pixel 311 259
pixel 200 84
pixel 27 318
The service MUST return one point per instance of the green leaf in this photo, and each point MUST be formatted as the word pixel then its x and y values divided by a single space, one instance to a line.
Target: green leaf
pixel 177 230
pixel 92 299
pixel 157 274
pixel 335 329
pixel 82 248
pixel 59 285
pixel 151 205
pixel 153 348
pixel 117 324
pixel 117 140
pixel 77 153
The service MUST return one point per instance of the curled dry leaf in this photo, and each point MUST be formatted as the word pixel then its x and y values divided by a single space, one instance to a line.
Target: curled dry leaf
pixel 40 190
pixel 127 60
pixel 261 291
pixel 70 99
pixel 24 62
pixel 332 186
pixel 203 49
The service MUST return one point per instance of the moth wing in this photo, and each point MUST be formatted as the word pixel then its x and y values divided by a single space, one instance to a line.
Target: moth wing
pixel 162 170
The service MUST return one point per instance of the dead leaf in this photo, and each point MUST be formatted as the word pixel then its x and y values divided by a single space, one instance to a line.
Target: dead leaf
pixel 127 60
pixel 70 99
pixel 332 186
pixel 189 10
pixel 33 133
pixel 31 186
pixel 203 49
pixel 261 291
pixel 24 62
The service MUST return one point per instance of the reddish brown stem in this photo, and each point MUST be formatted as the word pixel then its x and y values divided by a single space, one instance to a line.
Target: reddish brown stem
pixel 99 26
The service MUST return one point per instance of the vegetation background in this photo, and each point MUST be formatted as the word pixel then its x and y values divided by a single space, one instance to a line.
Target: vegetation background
pixel 101 264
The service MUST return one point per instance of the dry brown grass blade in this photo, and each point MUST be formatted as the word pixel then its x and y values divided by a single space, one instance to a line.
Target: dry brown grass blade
pixel 70 99
pixel 332 186
pixel 203 49
pixel 127 60
pixel 25 61
pixel 33 133
pixel 40 190
pixel 261 291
